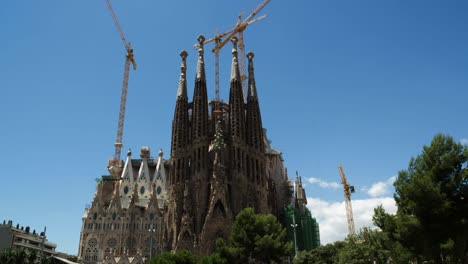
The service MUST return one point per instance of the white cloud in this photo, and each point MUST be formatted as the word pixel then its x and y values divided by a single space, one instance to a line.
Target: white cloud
pixel 324 184
pixel 464 141
pixel 332 219
pixel 382 188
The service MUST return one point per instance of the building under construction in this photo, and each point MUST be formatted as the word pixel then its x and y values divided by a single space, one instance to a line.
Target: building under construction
pixel 220 163
pixel 302 228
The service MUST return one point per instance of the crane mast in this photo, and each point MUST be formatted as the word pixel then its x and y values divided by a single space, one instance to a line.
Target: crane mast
pixel 115 165
pixel 239 30
pixel 217 72
pixel 348 189
pixel 218 40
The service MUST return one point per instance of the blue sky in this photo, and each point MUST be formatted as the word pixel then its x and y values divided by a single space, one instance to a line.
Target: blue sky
pixel 363 83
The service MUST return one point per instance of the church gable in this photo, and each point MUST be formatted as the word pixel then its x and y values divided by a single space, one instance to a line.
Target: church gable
pixel 160 180
pixel 143 180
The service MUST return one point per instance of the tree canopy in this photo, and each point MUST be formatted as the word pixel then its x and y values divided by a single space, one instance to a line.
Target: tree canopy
pixel 367 246
pixel 432 199
pixel 327 254
pixel 14 256
pixel 430 226
pixel 257 238
pixel 254 238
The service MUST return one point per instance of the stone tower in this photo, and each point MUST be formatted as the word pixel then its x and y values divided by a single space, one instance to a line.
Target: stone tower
pixel 218 160
pixel 221 162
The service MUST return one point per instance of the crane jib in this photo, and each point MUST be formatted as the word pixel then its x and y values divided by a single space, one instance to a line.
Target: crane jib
pixel 129 58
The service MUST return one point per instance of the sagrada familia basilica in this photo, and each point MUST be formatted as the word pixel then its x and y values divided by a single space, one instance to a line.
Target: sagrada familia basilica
pixel 220 162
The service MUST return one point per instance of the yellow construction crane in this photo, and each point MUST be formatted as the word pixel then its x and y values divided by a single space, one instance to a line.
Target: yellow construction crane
pixel 217 40
pixel 115 165
pixel 348 189
pixel 239 30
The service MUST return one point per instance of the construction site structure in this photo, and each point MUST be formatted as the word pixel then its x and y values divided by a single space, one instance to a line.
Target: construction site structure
pixel 348 189
pixel 219 44
pixel 115 165
pixel 301 227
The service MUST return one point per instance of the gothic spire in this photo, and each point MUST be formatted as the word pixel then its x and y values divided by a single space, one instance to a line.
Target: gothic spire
pixel 254 118
pixel 200 98
pixel 236 98
pixel 235 73
pixel 180 123
pixel 252 92
pixel 201 62
pixel 182 88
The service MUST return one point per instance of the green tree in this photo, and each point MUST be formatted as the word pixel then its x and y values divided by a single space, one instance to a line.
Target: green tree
pixel 303 257
pixel 327 254
pixel 214 258
pixel 14 256
pixel 432 199
pixel 366 247
pixel 32 257
pixel 257 238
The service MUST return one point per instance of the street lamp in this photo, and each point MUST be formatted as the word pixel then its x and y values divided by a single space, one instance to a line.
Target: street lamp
pixel 294 225
pixel 152 231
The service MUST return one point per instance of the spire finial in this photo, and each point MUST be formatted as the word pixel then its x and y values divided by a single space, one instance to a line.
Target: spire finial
pixel 201 40
pixel 201 63
pixel 129 153
pixel 182 88
pixel 234 41
pixel 161 153
pixel 144 152
pixel 235 73
pixel 184 55
pixel 252 90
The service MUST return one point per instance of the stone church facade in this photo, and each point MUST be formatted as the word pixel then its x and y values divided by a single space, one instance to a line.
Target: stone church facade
pixel 124 222
pixel 220 163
